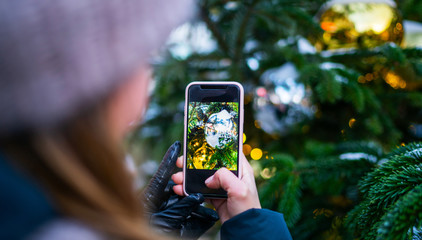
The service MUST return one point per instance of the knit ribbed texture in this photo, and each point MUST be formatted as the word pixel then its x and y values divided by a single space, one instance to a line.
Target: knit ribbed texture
pixel 58 56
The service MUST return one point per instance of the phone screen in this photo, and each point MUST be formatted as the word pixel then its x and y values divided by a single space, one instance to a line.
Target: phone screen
pixel 212 134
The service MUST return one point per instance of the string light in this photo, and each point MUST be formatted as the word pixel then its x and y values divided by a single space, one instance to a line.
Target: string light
pixel 394 80
pixel 257 125
pixel 352 121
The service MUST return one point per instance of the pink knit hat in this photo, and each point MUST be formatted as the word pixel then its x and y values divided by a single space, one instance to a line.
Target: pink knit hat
pixel 59 55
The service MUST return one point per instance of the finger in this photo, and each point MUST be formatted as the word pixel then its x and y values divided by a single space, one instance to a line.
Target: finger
pixel 154 192
pixel 224 179
pixel 179 162
pixel 178 189
pixel 177 178
pixel 217 203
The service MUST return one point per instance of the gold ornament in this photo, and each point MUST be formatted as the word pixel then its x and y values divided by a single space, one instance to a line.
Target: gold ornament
pixel 202 157
pixel 359 24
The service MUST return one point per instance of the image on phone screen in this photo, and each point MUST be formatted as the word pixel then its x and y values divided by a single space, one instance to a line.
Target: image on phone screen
pixel 212 135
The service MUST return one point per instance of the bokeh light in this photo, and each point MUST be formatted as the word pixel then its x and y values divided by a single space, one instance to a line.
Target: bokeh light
pixel 247 149
pixel 268 173
pixel 256 154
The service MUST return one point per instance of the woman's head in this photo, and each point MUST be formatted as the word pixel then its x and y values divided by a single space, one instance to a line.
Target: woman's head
pixel 58 57
pixel 73 76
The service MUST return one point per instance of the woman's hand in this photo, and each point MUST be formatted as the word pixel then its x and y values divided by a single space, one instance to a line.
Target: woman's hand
pixel 170 213
pixel 242 194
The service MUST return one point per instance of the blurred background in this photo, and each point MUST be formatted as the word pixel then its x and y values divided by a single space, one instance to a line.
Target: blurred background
pixel 331 89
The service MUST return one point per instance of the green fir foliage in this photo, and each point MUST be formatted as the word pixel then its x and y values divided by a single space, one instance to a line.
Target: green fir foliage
pixel 311 172
pixel 392 193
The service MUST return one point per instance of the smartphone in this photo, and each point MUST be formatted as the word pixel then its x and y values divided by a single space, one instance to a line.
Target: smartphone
pixel 213 134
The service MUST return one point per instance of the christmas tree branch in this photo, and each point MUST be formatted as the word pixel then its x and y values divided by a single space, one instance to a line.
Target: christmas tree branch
pixel 404 215
pixel 389 194
pixel 205 16
pixel 239 42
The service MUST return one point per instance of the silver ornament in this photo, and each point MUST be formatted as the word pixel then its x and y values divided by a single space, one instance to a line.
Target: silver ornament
pixel 220 129
pixel 282 102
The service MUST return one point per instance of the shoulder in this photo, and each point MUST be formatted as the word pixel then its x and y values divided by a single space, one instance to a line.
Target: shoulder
pixel 256 224
pixel 65 229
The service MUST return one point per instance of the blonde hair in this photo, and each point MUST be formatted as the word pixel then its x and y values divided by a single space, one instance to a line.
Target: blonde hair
pixel 83 171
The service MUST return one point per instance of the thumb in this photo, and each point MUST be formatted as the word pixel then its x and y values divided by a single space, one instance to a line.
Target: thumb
pixel 154 193
pixel 224 179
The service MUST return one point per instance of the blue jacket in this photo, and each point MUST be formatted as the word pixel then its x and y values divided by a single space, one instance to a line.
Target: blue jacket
pixel 256 224
pixel 23 206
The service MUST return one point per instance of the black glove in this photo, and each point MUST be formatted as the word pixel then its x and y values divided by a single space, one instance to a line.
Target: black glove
pixel 170 213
